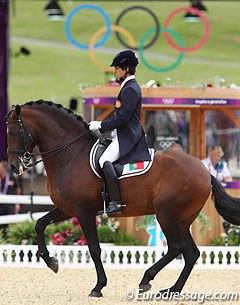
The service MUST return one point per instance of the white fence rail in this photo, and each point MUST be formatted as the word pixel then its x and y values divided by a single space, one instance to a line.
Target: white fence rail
pixel 116 257
pixel 20 217
pixel 23 199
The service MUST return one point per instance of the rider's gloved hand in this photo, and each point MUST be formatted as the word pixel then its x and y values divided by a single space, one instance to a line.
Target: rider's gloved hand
pixel 94 125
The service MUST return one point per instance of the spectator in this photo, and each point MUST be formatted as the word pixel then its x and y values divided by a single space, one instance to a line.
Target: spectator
pixel 216 165
pixel 10 184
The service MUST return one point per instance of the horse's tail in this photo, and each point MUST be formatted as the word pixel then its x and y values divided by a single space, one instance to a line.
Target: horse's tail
pixel 227 206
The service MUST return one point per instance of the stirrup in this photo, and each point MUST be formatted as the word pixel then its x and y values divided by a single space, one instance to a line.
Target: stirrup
pixel 114 208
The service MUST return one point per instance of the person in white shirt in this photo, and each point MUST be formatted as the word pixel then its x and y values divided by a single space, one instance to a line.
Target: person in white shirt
pixel 216 165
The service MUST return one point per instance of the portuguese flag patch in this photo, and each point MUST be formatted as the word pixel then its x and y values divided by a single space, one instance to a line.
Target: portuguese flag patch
pixel 134 166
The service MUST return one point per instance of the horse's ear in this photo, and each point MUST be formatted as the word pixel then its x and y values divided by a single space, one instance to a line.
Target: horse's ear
pixel 18 110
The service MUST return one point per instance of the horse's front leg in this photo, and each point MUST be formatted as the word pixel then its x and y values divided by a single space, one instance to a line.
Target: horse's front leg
pixel 53 216
pixel 87 221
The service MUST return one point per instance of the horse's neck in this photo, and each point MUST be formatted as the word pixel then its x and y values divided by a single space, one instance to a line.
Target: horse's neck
pixel 53 134
pixel 56 131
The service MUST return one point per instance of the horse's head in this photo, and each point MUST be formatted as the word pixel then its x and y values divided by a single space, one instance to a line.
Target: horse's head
pixel 20 141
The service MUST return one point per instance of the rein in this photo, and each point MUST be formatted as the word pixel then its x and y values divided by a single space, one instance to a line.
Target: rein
pixel 53 151
pixel 25 156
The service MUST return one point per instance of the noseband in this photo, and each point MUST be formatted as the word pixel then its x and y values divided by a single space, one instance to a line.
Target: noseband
pixel 25 156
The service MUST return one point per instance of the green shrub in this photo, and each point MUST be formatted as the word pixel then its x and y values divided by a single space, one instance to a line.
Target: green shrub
pixel 105 234
pixel 64 233
pixel 126 239
pixel 2 239
pixel 233 238
pixel 218 241
pixel 22 233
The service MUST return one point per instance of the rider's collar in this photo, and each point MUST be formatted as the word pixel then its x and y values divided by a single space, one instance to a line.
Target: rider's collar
pixel 127 79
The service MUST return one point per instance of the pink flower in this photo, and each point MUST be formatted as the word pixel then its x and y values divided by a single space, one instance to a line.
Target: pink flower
pixel 56 235
pixel 57 239
pixel 81 242
pixel 68 232
pixel 75 221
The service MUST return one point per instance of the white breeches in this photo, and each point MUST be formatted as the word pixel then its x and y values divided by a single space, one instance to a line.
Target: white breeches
pixel 111 154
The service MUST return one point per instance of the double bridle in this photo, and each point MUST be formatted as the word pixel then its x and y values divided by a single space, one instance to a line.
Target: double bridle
pixel 25 156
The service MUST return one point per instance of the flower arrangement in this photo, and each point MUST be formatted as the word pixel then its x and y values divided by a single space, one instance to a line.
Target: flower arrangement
pixel 68 233
pixel 72 235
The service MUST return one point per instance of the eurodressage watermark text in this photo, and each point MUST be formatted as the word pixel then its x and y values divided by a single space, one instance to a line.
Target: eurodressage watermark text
pixel 167 295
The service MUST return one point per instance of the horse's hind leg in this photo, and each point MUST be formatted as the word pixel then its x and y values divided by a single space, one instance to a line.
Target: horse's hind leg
pixel 191 254
pixel 54 215
pixel 175 247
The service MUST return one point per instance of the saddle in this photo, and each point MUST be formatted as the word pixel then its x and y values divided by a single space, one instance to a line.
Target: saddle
pixel 122 171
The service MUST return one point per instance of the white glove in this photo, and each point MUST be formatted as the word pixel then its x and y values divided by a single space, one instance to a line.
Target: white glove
pixel 95 125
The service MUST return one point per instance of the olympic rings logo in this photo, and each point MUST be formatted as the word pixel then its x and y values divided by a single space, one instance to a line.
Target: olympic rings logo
pixel 107 30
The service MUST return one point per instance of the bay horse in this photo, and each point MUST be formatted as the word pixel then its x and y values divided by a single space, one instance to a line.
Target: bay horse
pixel 175 188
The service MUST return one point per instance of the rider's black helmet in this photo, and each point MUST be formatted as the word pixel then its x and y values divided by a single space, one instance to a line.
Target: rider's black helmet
pixel 126 58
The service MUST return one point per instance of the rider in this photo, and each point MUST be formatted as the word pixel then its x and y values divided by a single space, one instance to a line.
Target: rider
pixel 129 143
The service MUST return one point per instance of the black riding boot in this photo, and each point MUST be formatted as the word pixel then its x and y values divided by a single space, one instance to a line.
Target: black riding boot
pixel 111 180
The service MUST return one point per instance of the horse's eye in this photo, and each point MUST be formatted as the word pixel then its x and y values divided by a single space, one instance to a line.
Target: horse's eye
pixel 12 133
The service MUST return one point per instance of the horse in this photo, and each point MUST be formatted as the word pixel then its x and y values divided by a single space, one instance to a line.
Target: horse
pixel 175 188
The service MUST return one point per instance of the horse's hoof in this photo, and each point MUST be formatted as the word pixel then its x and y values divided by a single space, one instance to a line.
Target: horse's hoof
pixel 95 294
pixel 144 288
pixel 54 265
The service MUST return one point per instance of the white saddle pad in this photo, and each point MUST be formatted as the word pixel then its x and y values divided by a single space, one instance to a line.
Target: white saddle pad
pixel 129 170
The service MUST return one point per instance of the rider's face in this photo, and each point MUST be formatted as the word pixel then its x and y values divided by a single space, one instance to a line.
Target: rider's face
pixel 120 73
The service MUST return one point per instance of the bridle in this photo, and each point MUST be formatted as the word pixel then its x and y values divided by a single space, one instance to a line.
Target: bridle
pixel 25 156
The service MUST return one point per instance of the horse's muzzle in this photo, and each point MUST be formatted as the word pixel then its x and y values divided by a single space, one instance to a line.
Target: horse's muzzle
pixel 16 166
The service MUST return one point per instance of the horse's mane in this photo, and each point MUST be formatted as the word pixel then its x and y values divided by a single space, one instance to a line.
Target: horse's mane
pixel 10 111
pixel 59 106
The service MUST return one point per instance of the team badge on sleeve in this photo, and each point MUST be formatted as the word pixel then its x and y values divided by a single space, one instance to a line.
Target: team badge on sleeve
pixel 118 104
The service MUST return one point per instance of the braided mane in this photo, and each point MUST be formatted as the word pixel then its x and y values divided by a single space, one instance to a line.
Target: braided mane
pixel 59 106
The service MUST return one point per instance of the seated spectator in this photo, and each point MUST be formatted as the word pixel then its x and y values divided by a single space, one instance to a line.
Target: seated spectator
pixel 216 165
